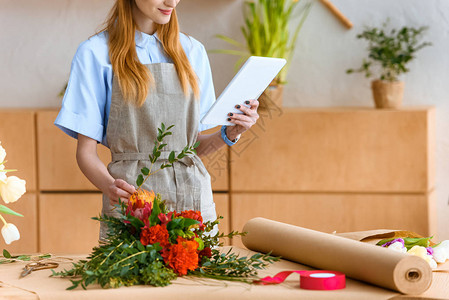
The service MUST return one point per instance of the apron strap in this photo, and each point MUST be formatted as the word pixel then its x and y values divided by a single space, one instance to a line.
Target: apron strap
pixel 186 160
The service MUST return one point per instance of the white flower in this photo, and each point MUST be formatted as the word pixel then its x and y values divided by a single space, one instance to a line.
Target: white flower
pixel 10 233
pixel 2 174
pixel 12 189
pixel 441 252
pixel 398 246
pixel 2 153
pixel 422 252
pixel 444 244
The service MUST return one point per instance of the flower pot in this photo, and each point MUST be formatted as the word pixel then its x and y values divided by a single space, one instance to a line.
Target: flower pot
pixel 271 98
pixel 387 94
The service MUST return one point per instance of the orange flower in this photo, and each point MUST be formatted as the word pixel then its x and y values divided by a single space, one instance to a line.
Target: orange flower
pixel 155 234
pixel 138 199
pixel 182 256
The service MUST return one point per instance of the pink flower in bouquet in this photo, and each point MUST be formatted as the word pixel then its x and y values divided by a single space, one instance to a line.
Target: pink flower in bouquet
pixel 165 218
pixel 142 213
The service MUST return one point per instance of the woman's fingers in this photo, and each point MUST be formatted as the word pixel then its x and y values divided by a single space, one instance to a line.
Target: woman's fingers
pixel 254 103
pixel 243 120
pixel 120 183
pixel 120 189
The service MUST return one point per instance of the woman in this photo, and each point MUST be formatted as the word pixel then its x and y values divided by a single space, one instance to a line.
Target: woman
pixel 138 72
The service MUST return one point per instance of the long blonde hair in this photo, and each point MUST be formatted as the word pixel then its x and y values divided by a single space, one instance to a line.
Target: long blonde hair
pixel 134 78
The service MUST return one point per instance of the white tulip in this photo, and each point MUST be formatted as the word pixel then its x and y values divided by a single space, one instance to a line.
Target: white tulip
pixel 10 233
pixel 422 252
pixel 444 244
pixel 2 174
pixel 398 246
pixel 2 153
pixel 12 189
pixel 441 252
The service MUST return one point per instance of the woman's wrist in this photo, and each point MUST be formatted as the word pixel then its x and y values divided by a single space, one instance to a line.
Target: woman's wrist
pixel 229 135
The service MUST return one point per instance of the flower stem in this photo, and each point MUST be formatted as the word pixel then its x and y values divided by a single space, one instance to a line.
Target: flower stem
pixel 4 221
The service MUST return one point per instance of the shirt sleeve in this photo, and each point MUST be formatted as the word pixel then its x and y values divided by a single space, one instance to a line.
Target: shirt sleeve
pixel 83 105
pixel 207 91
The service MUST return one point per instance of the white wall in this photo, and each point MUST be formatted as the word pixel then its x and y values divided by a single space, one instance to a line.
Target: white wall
pixel 39 38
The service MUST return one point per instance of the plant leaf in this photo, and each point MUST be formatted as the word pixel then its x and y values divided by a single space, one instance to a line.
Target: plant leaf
pixel 8 211
pixel 6 254
pixel 145 171
pixel 139 180
pixel 171 157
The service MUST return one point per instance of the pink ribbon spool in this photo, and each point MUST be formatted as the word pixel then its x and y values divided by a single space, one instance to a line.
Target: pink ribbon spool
pixel 311 280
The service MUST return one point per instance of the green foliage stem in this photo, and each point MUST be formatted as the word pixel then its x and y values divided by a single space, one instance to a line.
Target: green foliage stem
pixel 157 151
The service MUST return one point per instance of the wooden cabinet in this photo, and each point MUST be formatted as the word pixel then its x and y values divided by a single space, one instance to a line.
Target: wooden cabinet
pixel 27 225
pixel 58 169
pixel 342 169
pixel 338 212
pixel 329 169
pixel 337 150
pixel 222 207
pixel 65 224
pixel 17 135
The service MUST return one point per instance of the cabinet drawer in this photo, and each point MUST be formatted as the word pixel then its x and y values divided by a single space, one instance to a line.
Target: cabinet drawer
pixel 17 134
pixel 337 150
pixel 65 224
pixel 27 225
pixel 338 212
pixel 58 169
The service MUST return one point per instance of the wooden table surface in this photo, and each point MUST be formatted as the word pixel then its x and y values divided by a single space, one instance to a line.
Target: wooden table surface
pixel 38 285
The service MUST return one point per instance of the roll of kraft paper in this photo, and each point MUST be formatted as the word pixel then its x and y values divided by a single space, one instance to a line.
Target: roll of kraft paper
pixel 400 272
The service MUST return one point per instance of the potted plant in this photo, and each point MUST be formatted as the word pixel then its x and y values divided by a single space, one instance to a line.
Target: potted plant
pixel 389 53
pixel 266 32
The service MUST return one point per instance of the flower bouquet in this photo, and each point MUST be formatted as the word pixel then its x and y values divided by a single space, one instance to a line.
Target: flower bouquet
pixel 11 189
pixel 149 245
pixel 412 244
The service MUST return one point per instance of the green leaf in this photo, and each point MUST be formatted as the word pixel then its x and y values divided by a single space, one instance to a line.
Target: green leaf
pixel 170 127
pixel 171 157
pixel 155 212
pixel 190 222
pixel 6 254
pixel 8 211
pixel 136 222
pixel 145 171
pixel 200 243
pixel 196 144
pixel 139 180
pixel 162 126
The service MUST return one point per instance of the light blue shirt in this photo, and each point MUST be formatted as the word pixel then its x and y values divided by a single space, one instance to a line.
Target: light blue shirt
pixel 87 100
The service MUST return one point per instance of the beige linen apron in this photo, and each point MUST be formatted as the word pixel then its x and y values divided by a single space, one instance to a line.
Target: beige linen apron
pixel 131 132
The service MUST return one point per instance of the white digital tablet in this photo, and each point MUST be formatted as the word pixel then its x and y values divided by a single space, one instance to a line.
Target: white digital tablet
pixel 249 83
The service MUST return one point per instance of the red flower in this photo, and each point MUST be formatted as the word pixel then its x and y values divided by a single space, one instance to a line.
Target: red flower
pixel 165 218
pixel 155 234
pixel 182 256
pixel 205 252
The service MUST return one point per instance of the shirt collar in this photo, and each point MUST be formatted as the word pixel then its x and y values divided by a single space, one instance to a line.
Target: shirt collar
pixel 143 38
